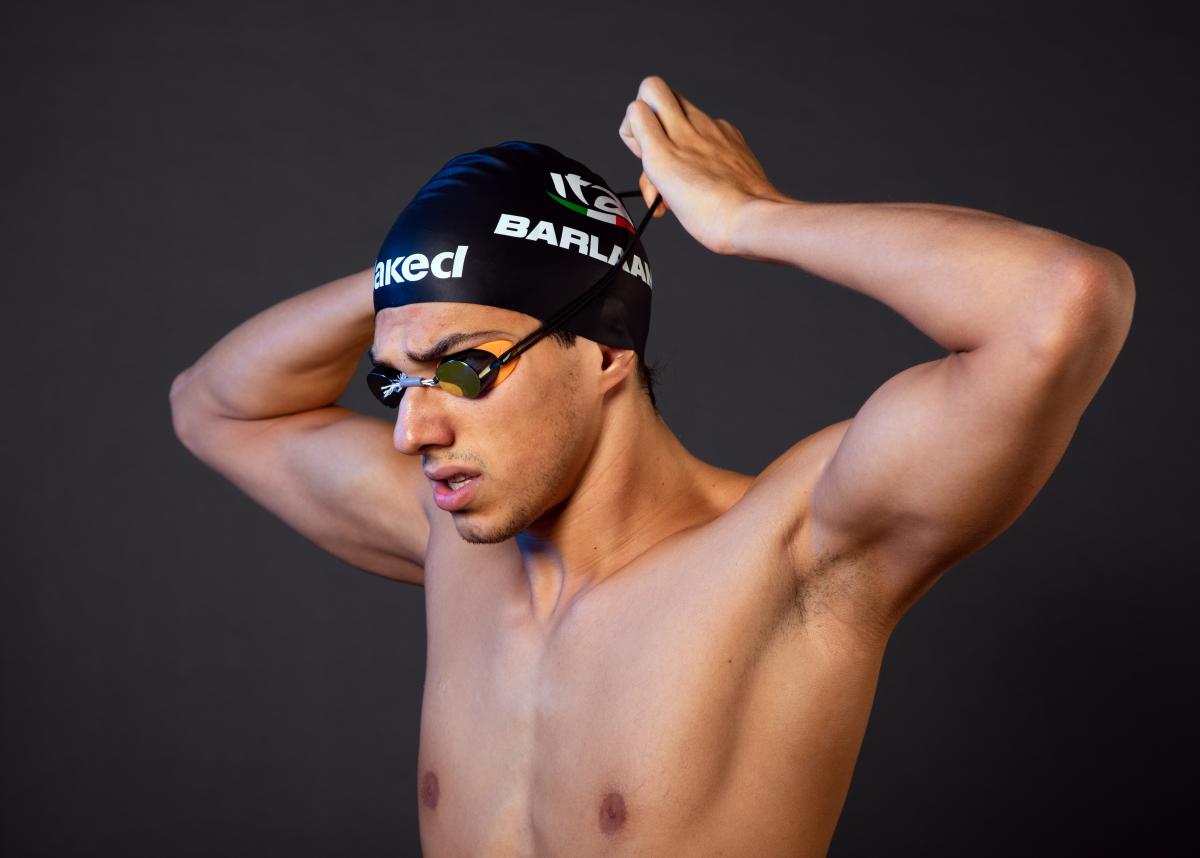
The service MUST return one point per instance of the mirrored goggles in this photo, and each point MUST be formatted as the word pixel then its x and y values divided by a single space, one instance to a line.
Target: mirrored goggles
pixel 469 373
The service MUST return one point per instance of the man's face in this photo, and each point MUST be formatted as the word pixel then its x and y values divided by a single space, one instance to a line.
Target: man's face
pixel 528 436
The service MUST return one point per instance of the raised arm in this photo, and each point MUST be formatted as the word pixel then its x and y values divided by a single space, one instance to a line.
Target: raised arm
pixel 945 455
pixel 258 408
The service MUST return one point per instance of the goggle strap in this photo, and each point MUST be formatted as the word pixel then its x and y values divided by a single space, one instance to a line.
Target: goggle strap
pixel 397 384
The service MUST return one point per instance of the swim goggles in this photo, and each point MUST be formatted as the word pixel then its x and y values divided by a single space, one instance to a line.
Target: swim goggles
pixel 472 372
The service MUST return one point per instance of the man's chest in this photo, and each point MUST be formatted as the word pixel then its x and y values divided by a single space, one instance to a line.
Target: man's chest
pixel 648 712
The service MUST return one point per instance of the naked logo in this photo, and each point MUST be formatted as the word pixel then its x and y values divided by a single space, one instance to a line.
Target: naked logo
pixel 603 204
pixel 416 265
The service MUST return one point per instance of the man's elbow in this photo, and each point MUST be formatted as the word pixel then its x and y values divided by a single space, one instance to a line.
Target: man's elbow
pixel 183 413
pixel 1096 307
pixel 1108 283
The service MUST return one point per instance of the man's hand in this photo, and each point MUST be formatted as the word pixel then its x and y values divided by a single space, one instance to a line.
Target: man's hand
pixel 701 166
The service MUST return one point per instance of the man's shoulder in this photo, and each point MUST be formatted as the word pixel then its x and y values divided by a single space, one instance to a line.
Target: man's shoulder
pixel 786 484
pixel 773 505
pixel 768 527
pixel 778 506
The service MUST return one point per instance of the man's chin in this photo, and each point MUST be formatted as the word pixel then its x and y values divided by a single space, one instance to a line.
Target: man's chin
pixel 471 529
pixel 480 530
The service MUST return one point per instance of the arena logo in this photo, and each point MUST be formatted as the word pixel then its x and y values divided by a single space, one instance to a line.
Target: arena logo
pixel 516 226
pixel 604 204
pixel 415 266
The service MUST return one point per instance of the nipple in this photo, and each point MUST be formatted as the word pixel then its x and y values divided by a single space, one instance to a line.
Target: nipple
pixel 430 790
pixel 612 813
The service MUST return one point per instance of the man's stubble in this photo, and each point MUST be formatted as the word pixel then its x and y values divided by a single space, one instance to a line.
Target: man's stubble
pixel 534 498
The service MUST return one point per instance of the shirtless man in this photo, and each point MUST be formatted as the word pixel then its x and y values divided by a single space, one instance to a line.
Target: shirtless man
pixel 631 651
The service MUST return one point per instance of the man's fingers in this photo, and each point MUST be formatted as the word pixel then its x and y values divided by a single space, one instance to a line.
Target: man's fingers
pixel 650 119
pixel 661 98
pixel 641 128
pixel 649 192
pixel 700 120
pixel 625 132
pixel 730 130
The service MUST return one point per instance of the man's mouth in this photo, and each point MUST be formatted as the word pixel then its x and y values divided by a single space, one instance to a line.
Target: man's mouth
pixel 453 487
pixel 448 473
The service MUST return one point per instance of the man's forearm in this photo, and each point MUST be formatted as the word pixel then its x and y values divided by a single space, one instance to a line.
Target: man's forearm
pixel 959 275
pixel 295 356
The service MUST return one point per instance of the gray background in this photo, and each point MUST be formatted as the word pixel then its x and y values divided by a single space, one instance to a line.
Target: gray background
pixel 183 675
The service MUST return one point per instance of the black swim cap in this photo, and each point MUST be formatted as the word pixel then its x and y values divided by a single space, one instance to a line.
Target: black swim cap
pixel 520 226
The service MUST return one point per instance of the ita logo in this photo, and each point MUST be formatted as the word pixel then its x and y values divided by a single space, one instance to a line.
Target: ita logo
pixel 602 204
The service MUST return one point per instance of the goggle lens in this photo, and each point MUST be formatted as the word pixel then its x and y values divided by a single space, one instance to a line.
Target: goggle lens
pixel 381 384
pixel 459 374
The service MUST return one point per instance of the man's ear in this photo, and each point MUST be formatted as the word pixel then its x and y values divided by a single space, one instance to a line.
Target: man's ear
pixel 615 364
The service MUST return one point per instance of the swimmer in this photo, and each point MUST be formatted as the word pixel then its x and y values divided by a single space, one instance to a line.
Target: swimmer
pixel 632 651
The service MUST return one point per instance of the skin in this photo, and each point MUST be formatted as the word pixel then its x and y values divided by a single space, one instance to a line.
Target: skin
pixel 631 651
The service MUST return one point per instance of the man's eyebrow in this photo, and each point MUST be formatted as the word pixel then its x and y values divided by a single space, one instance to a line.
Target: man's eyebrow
pixel 435 351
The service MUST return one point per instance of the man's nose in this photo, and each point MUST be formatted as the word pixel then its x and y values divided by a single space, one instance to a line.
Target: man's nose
pixel 421 421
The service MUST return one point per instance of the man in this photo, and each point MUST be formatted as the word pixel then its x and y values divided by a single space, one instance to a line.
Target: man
pixel 632 651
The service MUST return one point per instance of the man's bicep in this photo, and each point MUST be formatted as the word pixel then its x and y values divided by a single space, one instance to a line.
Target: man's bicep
pixel 332 475
pixel 942 458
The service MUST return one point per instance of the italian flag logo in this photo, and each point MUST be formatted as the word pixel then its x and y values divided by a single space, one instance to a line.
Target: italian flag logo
pixel 606 207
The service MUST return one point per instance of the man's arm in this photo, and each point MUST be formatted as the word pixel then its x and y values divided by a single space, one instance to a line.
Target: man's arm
pixel 258 408
pixel 944 456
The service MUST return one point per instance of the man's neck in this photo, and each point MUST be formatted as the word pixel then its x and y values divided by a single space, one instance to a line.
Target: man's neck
pixel 640 486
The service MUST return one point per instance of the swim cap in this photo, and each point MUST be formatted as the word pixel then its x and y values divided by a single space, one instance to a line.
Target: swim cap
pixel 519 226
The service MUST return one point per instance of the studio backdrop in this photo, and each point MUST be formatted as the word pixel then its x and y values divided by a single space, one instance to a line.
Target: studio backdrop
pixel 184 675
